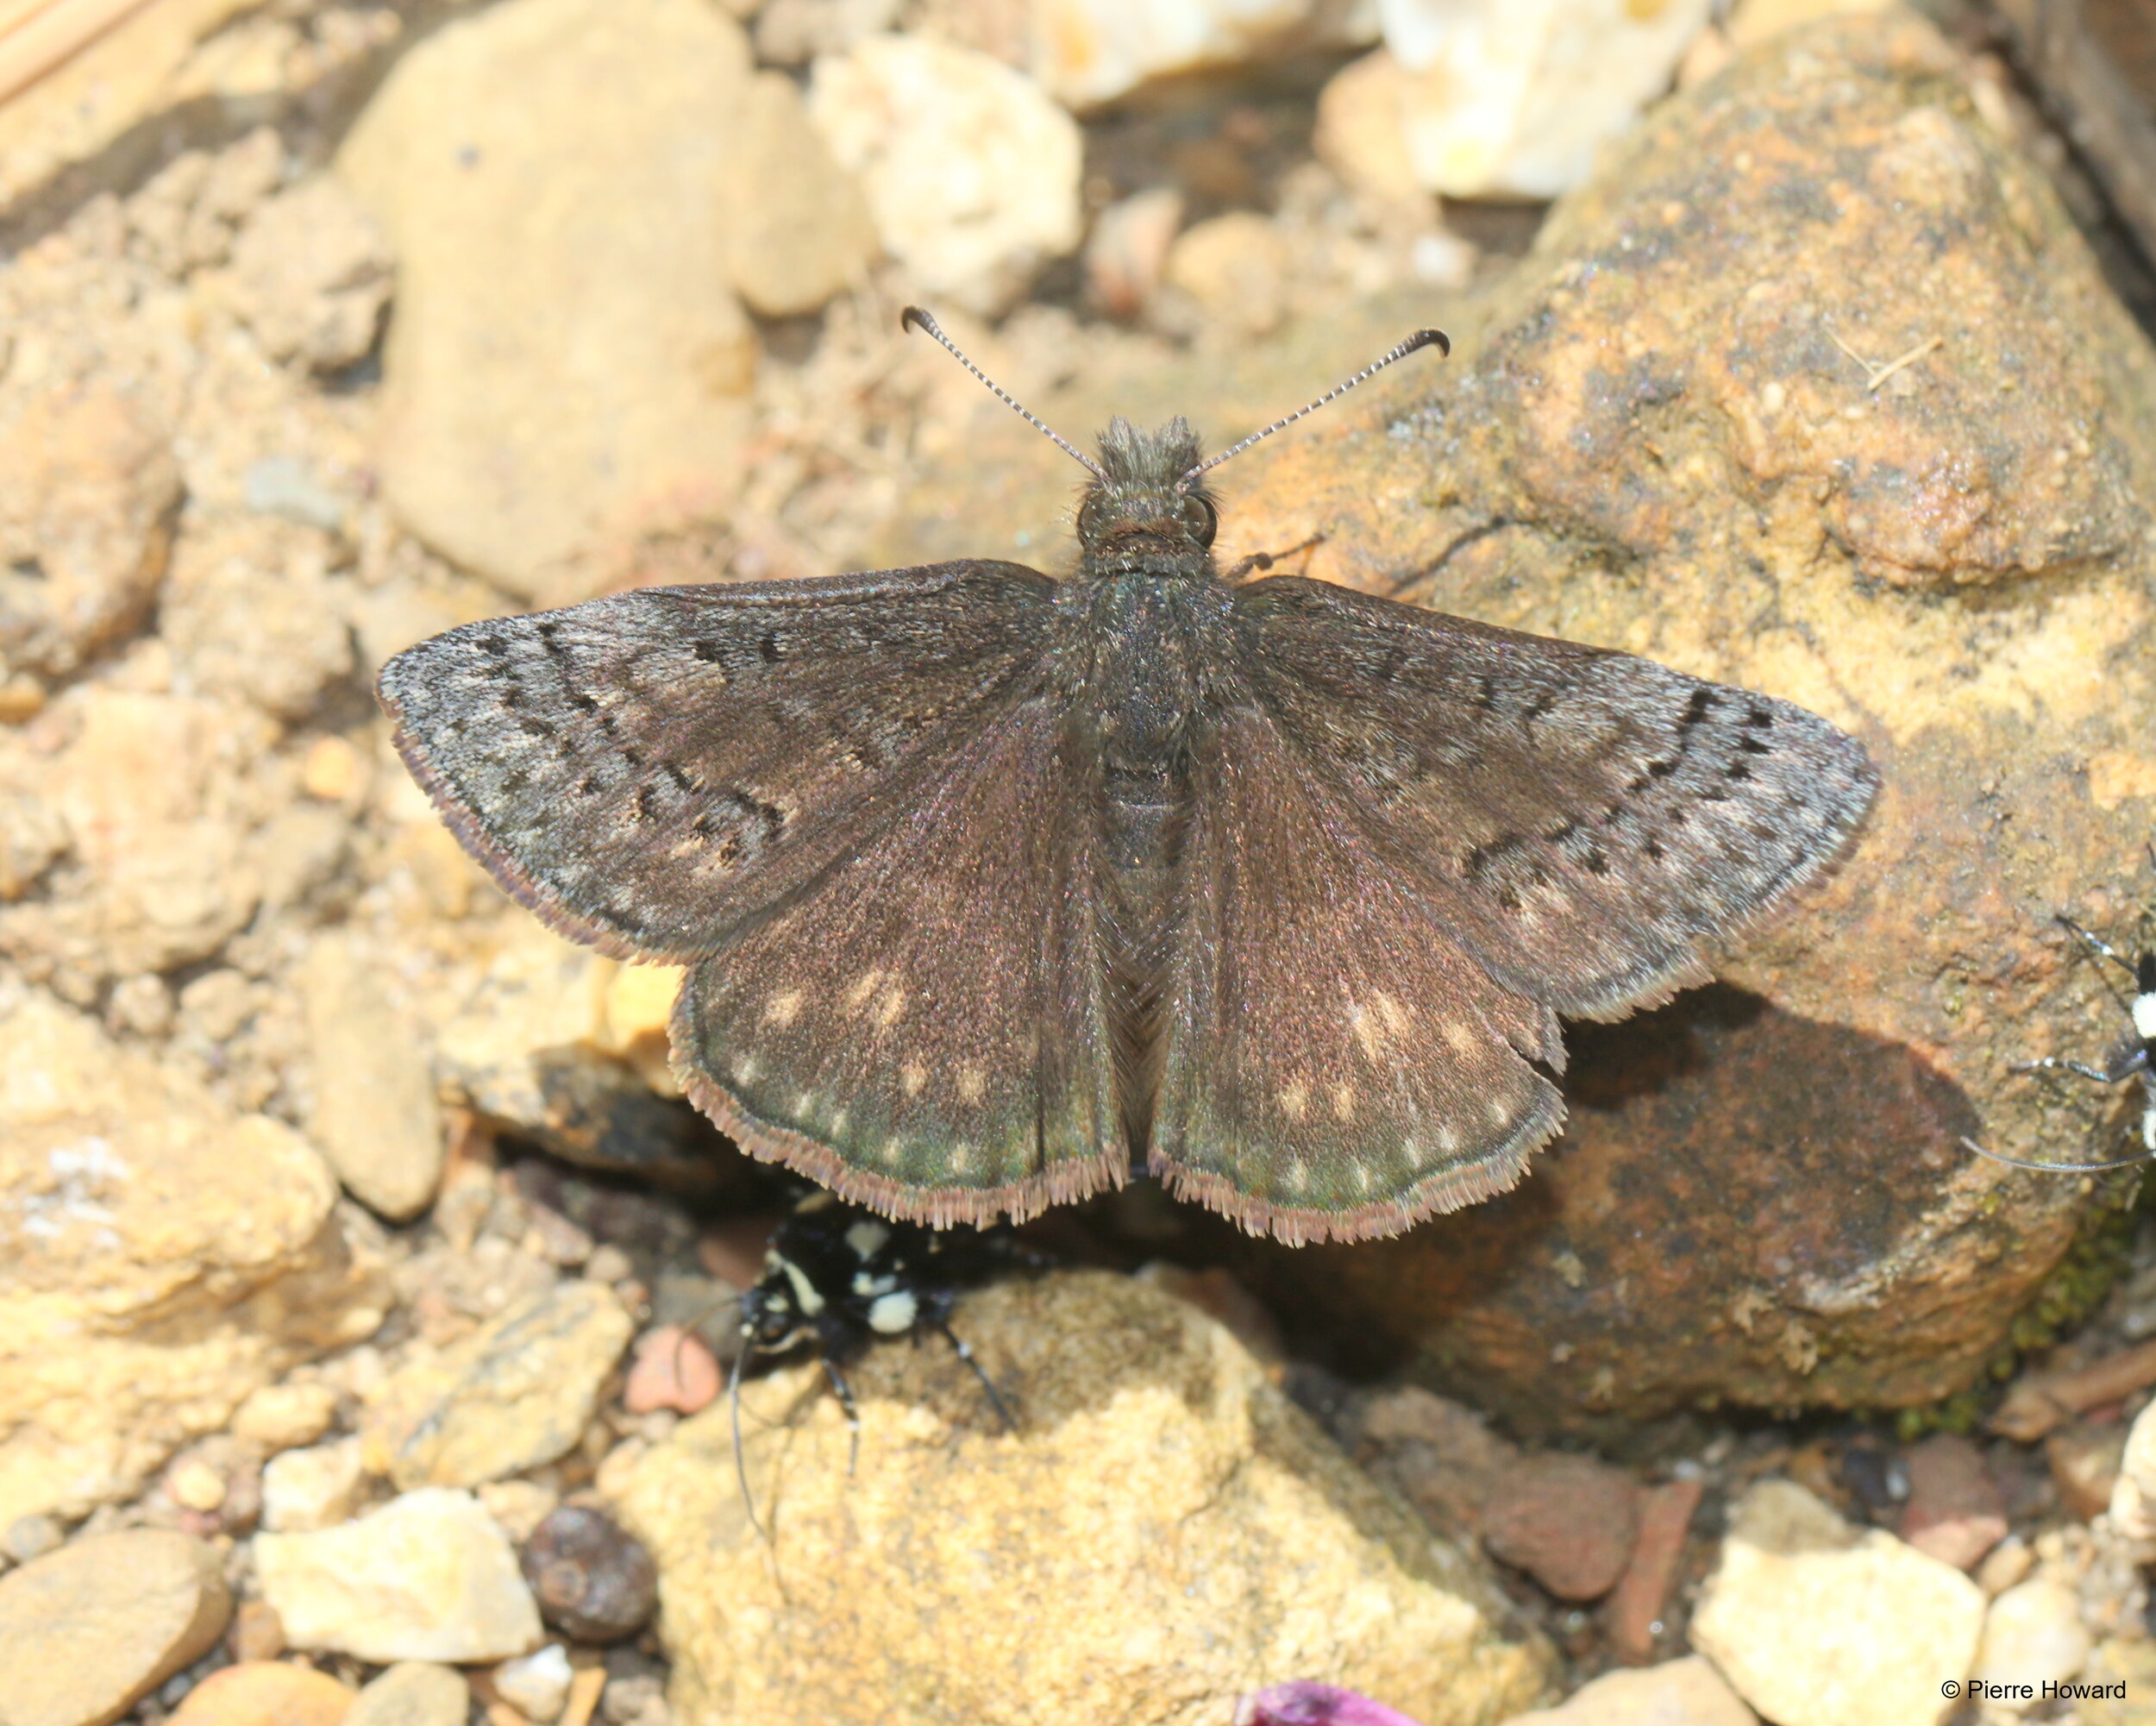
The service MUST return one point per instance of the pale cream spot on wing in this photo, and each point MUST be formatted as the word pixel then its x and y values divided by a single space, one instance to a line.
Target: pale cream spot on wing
pixel 1344 1102
pixel 1498 1110
pixel 1365 1027
pixel 960 1159
pixel 912 1076
pixel 838 1122
pixel 860 988
pixel 1411 1152
pixel 1448 1140
pixel 1395 1018
pixel 890 1149
pixel 1362 1177
pixel 782 1008
pixel 1460 1036
pixel 804 1103
pixel 973 1083
pixel 744 1070
pixel 1295 1101
pixel 1297 1178
pixel 888 1008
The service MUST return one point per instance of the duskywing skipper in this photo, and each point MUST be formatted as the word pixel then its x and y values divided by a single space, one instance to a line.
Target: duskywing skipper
pixel 987 883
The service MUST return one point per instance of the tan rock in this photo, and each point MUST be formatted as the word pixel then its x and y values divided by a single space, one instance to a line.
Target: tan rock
pixel 1360 134
pixel 1164 1532
pixel 317 1486
pixel 311 272
pixel 1816 1624
pixel 567 359
pixel 1128 251
pixel 1686 1692
pixel 970 171
pixel 413 1693
pixel 798 229
pixel 515 1393
pixel 374 1117
pixel 429 1575
pixel 87 1630
pixel 252 611
pixel 1235 266
pixel 160 1258
pixel 1088 52
pixel 284 1416
pixel 2032 1635
pixel 88 491
pixel 266 1693
pixel 120 79
pixel 153 809
pixel 1513 97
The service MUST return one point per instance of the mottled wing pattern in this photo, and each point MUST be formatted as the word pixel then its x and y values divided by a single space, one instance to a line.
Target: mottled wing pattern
pixel 1336 1064
pixel 646 770
pixel 1585 821
pixel 924 1030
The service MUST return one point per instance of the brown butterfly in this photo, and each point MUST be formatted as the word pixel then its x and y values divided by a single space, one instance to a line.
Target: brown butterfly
pixel 989 883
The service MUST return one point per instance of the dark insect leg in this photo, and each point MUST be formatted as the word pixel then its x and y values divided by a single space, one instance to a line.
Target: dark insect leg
pixel 2098 944
pixel 987 1384
pixel 2135 1063
pixel 845 1392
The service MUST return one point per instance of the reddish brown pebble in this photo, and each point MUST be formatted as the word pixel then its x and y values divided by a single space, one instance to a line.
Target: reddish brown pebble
pixel 674 1368
pixel 1636 1608
pixel 1955 1512
pixel 2042 1400
pixel 257 1633
pixel 594 1581
pixel 2085 1467
pixel 1567 1521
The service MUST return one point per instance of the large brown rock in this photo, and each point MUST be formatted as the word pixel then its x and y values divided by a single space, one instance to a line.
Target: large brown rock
pixel 1163 1531
pixel 1654 436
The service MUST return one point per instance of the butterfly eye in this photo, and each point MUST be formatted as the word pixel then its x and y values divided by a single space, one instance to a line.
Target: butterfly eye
pixel 1208 522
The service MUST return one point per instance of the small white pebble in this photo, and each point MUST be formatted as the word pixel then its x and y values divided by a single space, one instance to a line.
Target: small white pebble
pixel 537 1684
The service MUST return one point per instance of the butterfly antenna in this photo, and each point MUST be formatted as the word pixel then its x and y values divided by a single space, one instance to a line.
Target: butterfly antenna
pixel 741 1462
pixel 914 319
pixel 2056 1168
pixel 1413 344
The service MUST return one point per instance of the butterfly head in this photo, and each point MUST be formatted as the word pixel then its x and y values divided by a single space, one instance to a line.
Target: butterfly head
pixel 1141 511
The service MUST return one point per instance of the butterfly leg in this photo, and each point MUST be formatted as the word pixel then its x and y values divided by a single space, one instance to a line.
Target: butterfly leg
pixel 1259 562
pixel 959 1347
pixel 845 1392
